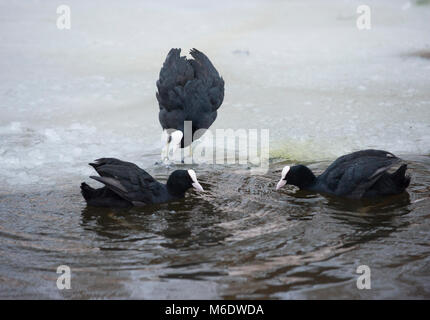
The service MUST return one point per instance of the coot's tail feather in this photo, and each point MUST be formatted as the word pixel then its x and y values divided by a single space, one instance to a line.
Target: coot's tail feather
pixel 87 192
pixel 102 197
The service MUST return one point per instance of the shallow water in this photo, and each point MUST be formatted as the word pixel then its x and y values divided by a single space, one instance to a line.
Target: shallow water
pixel 239 239
pixel 301 70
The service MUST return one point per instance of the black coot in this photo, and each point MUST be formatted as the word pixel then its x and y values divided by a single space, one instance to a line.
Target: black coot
pixel 361 174
pixel 188 90
pixel 126 185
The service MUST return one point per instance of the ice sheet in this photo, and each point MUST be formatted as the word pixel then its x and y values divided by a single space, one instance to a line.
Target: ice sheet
pixel 300 69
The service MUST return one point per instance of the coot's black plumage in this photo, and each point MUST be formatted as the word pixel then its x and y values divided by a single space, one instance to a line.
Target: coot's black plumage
pixel 188 90
pixel 126 185
pixel 361 174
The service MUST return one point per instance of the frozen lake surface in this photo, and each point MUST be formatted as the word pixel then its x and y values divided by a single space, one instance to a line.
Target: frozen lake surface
pixel 302 70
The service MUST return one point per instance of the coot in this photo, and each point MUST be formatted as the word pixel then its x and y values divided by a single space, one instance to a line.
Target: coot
pixel 188 90
pixel 361 174
pixel 126 185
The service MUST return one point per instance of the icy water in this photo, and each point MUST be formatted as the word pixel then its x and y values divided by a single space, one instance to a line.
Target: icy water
pixel 301 70
pixel 239 239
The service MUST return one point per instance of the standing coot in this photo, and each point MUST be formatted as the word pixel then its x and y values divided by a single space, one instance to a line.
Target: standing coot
pixel 126 185
pixel 188 90
pixel 361 174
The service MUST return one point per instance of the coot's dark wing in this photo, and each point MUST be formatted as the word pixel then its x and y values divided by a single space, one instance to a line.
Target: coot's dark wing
pixel 351 175
pixel 206 72
pixel 188 90
pixel 127 180
pixel 174 74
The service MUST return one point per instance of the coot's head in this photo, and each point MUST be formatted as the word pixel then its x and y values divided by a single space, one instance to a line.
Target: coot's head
pixel 181 180
pixel 300 176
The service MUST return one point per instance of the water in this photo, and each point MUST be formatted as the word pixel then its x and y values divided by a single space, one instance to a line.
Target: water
pixel 306 73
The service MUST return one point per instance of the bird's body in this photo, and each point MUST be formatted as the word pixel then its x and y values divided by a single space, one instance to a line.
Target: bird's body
pixel 361 174
pixel 188 90
pixel 126 185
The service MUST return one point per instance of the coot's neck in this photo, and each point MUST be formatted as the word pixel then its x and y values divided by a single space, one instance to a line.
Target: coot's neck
pixel 175 189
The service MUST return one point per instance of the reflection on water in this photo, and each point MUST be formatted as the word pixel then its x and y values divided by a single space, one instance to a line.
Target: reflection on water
pixel 239 239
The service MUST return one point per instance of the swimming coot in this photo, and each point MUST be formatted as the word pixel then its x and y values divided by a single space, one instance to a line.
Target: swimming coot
pixel 361 174
pixel 188 90
pixel 126 185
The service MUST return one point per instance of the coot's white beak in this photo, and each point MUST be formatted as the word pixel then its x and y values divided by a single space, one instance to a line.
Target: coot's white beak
pixel 175 141
pixel 283 180
pixel 281 183
pixel 196 185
